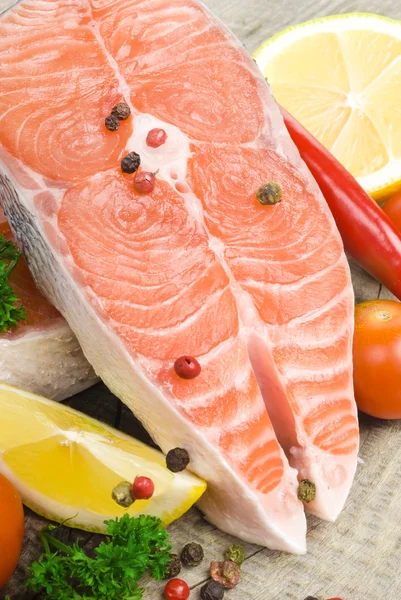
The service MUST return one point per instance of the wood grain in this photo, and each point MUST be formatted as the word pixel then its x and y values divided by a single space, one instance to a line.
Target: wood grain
pixel 359 557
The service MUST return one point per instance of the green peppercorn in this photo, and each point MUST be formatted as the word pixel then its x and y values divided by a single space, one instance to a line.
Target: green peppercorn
pixel 177 460
pixel 236 553
pixel 192 555
pixel 269 193
pixel 306 490
pixel 122 494
pixel 212 590
pixel 112 123
pixel 174 567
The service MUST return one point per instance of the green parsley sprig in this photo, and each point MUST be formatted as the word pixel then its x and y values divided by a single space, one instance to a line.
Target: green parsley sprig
pixel 133 546
pixel 10 310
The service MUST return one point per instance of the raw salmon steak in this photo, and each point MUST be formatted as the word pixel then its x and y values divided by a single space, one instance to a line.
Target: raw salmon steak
pixel 41 354
pixel 260 295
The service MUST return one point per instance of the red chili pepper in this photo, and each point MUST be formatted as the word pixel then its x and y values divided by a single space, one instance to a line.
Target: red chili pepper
pixel 368 234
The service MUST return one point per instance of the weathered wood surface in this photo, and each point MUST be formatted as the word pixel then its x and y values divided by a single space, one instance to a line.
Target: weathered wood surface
pixel 359 557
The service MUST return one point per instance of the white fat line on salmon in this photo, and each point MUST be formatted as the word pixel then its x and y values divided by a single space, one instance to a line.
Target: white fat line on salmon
pixel 292 342
pixel 309 404
pixel 313 314
pixel 271 253
pixel 240 383
pixel 294 285
pixel 315 376
pixel 189 320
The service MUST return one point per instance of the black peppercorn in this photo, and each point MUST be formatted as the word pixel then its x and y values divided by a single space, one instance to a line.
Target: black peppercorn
pixel 130 163
pixel 112 123
pixel 192 555
pixel 121 110
pixel 311 598
pixel 177 460
pixel 174 567
pixel 212 590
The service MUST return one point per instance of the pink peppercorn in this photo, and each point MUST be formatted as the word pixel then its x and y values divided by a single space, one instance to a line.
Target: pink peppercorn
pixel 156 137
pixel 144 182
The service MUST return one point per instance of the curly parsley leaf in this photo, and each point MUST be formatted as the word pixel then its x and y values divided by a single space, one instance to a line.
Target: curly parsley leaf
pixel 133 546
pixel 10 310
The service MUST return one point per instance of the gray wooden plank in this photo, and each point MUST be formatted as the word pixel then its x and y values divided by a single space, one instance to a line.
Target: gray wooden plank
pixel 254 21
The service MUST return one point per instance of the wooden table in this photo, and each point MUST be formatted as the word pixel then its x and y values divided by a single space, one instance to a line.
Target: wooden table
pixel 359 557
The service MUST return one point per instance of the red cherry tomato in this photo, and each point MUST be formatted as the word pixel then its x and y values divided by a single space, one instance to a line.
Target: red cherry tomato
pixel 11 529
pixel 392 208
pixel 377 358
pixel 176 589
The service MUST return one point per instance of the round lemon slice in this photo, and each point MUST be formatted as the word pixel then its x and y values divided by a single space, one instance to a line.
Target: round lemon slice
pixel 340 77
pixel 65 464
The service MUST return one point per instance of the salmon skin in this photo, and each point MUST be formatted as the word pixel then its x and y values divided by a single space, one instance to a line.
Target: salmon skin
pixel 260 295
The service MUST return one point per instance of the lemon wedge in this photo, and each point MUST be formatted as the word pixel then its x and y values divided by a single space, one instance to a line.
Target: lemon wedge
pixel 65 464
pixel 340 77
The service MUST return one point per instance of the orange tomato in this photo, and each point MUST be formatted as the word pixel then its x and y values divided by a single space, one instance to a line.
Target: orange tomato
pixel 377 358
pixel 11 529
pixel 392 208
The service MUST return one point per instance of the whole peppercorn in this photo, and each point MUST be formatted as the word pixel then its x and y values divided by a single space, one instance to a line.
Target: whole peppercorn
pixel 112 123
pixel 156 137
pixel 121 110
pixel 143 488
pixel 311 598
pixel 192 555
pixel 122 494
pixel 227 573
pixel 130 163
pixel 187 367
pixel 236 553
pixel 144 182
pixel 174 567
pixel 269 193
pixel 177 460
pixel 212 590
pixel 306 490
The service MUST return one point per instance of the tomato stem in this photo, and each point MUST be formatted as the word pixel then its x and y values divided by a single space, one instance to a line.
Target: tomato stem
pixel 383 315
